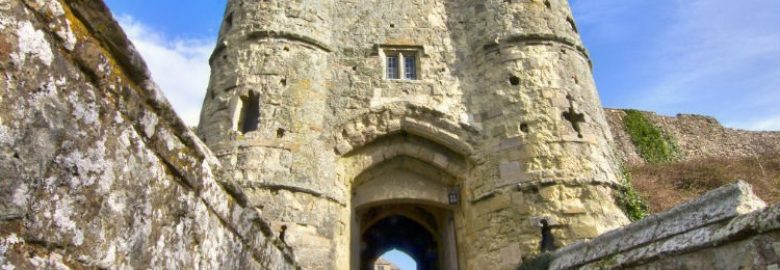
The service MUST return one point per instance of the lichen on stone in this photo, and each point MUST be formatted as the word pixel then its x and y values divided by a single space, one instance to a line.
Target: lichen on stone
pixel 32 42
pixel 6 137
pixel 149 124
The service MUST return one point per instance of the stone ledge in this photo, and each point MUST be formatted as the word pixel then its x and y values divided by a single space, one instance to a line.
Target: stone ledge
pixel 660 234
pixel 292 187
pixel 261 34
pixel 525 186
pixel 710 236
pixel 538 38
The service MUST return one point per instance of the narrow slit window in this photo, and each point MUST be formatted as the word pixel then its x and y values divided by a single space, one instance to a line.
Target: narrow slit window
pixel 228 21
pixel 250 113
pixel 392 67
pixel 410 67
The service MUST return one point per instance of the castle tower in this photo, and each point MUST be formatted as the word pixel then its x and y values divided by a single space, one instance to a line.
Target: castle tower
pixel 265 117
pixel 450 130
pixel 546 148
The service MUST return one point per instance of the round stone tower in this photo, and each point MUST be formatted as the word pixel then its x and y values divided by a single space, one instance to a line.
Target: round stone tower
pixel 450 130
pixel 545 155
pixel 265 114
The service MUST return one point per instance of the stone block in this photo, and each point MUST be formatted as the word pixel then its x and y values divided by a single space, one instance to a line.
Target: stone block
pixel 510 171
pixel 511 256
pixel 493 204
pixel 441 160
pixel 343 147
pixel 695 224
pixel 550 193
pixel 509 143
pixel 520 204
pixel 585 227
pixel 573 206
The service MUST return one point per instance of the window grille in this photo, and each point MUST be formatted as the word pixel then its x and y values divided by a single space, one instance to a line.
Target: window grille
pixel 401 64
pixel 392 67
pixel 410 67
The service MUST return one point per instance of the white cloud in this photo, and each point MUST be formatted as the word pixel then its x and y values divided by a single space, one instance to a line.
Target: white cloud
pixel 714 57
pixel 179 66
pixel 725 54
pixel 712 40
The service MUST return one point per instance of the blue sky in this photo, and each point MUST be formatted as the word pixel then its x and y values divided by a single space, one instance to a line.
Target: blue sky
pixel 713 57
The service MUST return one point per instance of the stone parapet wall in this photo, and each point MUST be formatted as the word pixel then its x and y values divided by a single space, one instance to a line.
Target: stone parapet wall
pixel 697 136
pixel 96 170
pixel 728 228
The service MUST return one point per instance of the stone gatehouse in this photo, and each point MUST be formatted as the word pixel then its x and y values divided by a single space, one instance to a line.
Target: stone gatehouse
pixel 464 133
pixel 362 126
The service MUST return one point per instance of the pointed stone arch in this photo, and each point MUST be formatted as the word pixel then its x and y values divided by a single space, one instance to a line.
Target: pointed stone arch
pixel 404 156
pixel 404 130
pixel 409 118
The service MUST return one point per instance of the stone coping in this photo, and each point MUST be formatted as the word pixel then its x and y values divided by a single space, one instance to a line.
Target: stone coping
pixel 713 235
pixel 718 205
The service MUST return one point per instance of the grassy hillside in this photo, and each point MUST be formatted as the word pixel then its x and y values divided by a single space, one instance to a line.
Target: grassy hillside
pixel 664 185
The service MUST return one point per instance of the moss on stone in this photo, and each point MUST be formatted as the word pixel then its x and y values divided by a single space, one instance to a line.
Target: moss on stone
pixel 609 262
pixel 629 200
pixel 541 262
pixel 652 144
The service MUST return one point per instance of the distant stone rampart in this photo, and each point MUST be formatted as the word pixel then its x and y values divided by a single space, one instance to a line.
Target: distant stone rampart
pixel 696 136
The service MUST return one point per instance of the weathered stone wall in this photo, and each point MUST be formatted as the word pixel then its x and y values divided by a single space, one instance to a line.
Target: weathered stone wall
pixel 524 70
pixel 697 136
pixel 488 116
pixel 96 170
pixel 728 228
pixel 279 54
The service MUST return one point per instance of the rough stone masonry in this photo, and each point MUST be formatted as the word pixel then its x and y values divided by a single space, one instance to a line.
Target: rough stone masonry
pixel 451 130
pixel 96 171
pixel 472 121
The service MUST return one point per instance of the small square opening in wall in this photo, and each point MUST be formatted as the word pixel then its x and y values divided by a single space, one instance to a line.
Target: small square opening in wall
pixel 401 63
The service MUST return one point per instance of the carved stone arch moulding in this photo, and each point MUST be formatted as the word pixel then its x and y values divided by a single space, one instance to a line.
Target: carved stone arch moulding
pixel 408 118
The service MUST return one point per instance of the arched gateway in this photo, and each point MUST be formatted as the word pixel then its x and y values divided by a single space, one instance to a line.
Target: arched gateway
pixel 405 195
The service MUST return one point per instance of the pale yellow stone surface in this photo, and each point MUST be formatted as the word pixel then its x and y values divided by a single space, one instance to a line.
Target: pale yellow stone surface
pixel 485 118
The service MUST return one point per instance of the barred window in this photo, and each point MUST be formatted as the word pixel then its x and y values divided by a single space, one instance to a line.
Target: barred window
pixel 410 68
pixel 392 67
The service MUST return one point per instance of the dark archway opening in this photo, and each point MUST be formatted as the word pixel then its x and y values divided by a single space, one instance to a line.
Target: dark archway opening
pixel 402 233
